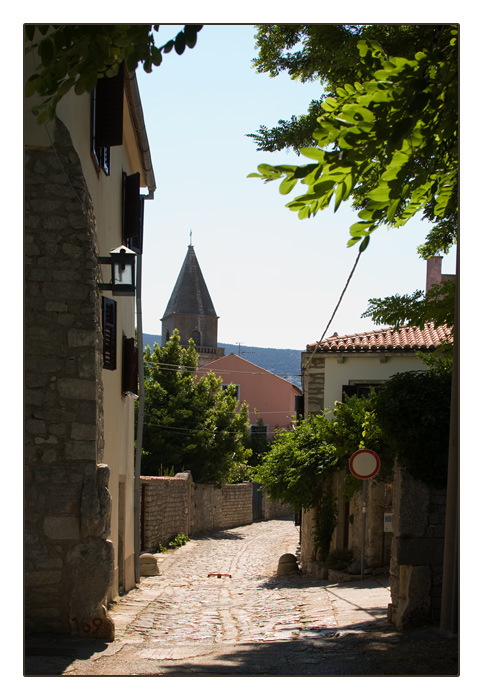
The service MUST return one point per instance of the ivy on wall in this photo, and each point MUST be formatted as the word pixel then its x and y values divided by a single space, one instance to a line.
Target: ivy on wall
pixel 413 412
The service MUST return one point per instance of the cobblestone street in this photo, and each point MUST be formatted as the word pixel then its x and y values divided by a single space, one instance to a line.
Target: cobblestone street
pixel 218 608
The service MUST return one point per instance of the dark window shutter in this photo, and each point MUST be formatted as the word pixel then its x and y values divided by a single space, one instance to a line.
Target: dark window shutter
pixel 109 102
pixel 133 213
pixel 348 390
pixel 109 314
pixel 129 366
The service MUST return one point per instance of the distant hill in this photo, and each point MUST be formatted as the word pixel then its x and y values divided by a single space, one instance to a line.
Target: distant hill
pixel 284 363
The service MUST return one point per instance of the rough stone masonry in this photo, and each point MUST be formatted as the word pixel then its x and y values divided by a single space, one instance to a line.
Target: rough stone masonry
pixel 66 498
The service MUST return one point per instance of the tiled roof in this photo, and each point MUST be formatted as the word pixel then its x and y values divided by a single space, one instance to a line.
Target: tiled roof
pixel 407 338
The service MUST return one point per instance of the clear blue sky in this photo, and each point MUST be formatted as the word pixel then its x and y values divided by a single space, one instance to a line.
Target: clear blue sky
pixel 274 280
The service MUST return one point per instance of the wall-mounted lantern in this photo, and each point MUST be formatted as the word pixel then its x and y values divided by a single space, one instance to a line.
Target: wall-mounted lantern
pixel 123 266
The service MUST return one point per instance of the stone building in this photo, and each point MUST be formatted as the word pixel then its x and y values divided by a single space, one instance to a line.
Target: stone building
pixel 191 311
pixel 87 174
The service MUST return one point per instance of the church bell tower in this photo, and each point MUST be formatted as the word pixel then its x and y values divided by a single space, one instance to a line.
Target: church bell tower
pixel 191 311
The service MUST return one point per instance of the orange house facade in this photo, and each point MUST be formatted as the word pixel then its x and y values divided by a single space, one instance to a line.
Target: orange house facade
pixel 270 398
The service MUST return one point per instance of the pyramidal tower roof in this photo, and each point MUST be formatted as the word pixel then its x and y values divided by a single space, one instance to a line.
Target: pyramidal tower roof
pixel 190 294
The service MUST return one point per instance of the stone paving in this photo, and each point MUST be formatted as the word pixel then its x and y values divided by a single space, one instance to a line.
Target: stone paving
pixel 218 607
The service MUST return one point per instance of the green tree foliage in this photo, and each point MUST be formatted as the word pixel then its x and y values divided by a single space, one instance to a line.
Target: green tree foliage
pixel 294 468
pixel 413 412
pixel 395 136
pixel 417 308
pixel 389 143
pixel 75 56
pixel 190 425
pixel 258 443
pixel 325 53
pixel 299 460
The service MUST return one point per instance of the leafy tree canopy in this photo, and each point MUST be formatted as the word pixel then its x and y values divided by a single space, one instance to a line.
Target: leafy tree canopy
pixel 190 425
pixel 75 56
pixel 326 53
pixel 437 305
pixel 395 136
pixel 299 460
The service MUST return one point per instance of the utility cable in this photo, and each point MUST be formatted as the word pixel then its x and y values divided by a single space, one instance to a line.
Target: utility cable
pixel 306 366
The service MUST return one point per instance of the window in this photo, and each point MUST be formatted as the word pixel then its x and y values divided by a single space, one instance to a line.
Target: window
pixel 196 336
pixel 129 366
pixel 359 389
pixel 109 324
pixel 259 431
pixel 106 118
pixel 237 389
pixel 132 213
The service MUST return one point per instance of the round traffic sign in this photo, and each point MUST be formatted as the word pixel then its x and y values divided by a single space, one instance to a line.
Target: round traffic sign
pixel 364 464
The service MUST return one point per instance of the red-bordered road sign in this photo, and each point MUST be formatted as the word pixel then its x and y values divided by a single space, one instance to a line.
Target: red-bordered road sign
pixel 364 464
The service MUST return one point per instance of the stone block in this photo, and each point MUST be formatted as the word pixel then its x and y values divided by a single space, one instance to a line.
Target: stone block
pixel 287 565
pixel 78 337
pixel 418 551
pixel 148 565
pixel 82 431
pixel 81 450
pixel 61 528
pixel 77 389
pixel 414 604
pixel 91 574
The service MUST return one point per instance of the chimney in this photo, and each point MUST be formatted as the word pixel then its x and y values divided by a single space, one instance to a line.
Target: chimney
pixel 433 272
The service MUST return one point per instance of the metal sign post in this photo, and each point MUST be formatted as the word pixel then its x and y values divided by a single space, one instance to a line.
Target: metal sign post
pixel 364 464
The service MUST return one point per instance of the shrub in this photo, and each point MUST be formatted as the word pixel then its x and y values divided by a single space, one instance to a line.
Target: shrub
pixel 339 559
pixel 413 412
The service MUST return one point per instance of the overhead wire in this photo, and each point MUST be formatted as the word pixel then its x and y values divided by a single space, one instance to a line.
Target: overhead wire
pixel 306 366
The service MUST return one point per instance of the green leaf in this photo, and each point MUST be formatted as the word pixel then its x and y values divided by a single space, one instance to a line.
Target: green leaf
pixel 179 43
pixel 287 185
pixel 313 153
pixel 339 195
pixel 400 129
pixel 380 194
pixel 391 212
pixel 358 229
pixel 355 113
pixel 362 248
pixel 65 86
pixel 30 31
pixel 31 86
pixel 191 35
pixel 46 51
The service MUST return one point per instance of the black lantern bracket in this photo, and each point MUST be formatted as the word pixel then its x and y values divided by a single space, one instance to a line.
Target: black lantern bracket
pixel 123 271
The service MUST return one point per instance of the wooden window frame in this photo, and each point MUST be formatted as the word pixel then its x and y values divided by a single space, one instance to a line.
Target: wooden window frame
pixel 132 213
pixel 109 332
pixel 107 105
pixel 129 366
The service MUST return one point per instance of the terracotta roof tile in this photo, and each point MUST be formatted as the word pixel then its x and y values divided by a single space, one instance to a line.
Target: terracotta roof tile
pixel 406 339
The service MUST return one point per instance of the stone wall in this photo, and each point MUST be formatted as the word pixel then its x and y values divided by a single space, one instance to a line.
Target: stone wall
pixel 235 505
pixel 164 510
pixel 68 558
pixel 313 383
pixel 348 531
pixel 417 551
pixel 377 543
pixel 172 505
pixel 273 510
